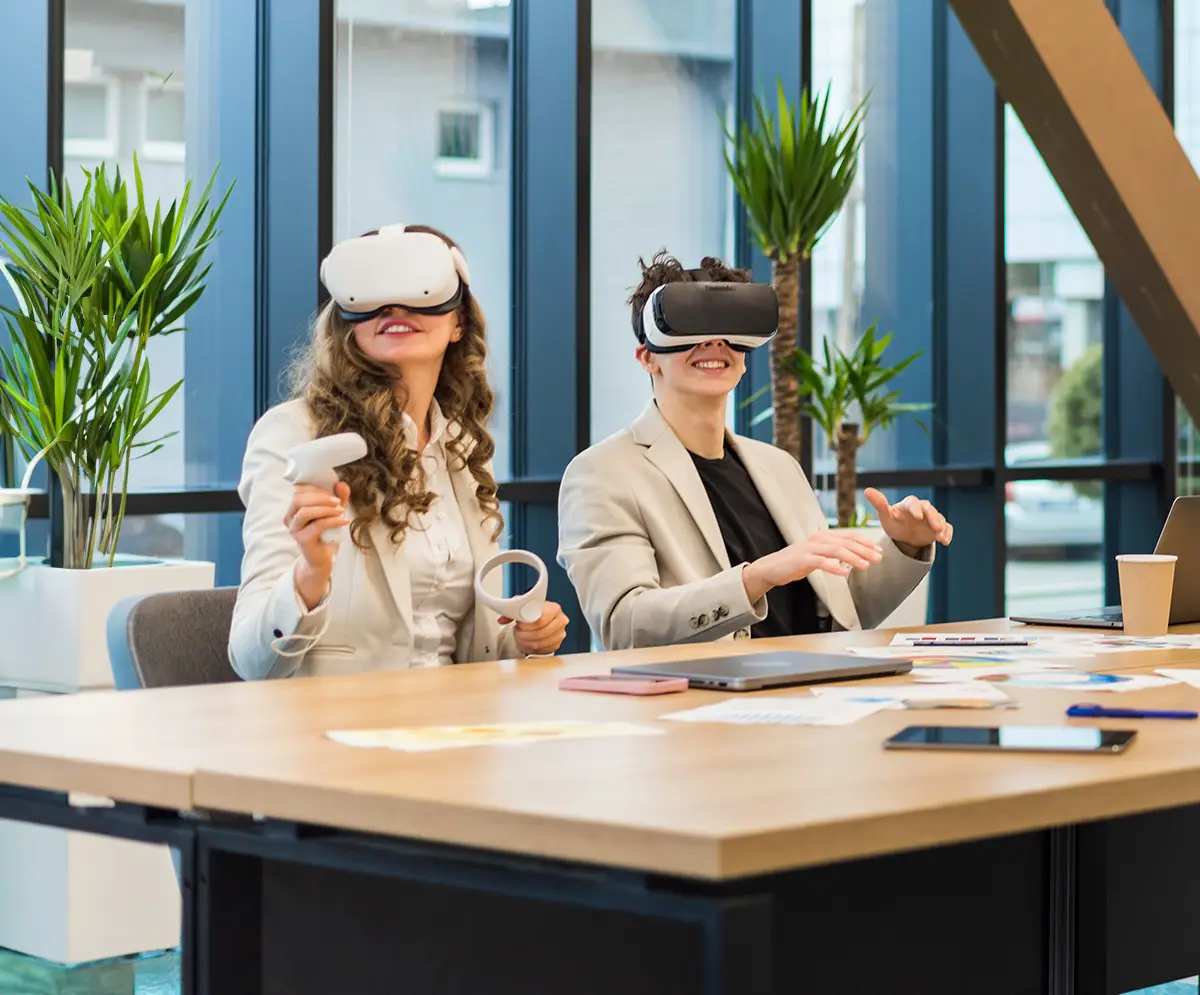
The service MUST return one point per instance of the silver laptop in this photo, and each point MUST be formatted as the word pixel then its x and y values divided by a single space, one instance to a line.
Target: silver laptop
pixel 756 671
pixel 1180 537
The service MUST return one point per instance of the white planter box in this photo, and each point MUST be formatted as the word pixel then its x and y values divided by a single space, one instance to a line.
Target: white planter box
pixel 53 621
pixel 913 611
pixel 72 897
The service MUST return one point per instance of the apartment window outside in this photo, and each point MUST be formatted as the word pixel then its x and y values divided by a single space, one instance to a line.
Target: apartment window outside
pixel 464 142
pixel 90 118
pixel 163 120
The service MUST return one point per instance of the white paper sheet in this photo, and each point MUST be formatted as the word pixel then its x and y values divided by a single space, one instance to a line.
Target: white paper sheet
pixel 895 695
pixel 1116 642
pixel 1042 652
pixel 798 711
pixel 951 672
pixel 425 739
pixel 964 640
pixel 1080 681
pixel 1181 674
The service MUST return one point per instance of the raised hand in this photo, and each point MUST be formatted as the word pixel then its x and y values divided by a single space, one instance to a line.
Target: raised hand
pixel 912 522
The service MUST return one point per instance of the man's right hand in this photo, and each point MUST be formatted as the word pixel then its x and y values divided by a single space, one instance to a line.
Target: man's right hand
pixel 311 513
pixel 831 550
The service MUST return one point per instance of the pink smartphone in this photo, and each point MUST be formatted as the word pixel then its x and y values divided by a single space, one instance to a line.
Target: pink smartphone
pixel 624 684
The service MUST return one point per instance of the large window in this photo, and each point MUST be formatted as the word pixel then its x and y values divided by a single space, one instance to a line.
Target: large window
pixel 1054 348
pixel 422 136
pixel 662 92
pixel 123 87
pixel 839 259
pixel 1187 127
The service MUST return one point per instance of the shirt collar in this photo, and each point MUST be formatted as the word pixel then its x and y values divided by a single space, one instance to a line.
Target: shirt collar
pixel 437 426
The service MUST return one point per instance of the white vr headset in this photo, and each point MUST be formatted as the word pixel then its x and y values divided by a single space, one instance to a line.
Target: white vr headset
pixel 681 316
pixel 393 267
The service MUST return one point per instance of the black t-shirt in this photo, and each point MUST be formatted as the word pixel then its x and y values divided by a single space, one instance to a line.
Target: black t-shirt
pixel 749 532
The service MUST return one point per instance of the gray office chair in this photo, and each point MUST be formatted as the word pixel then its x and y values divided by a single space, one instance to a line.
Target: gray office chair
pixel 172 639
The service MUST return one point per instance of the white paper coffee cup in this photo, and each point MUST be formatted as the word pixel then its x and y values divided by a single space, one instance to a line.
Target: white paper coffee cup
pixel 1146 584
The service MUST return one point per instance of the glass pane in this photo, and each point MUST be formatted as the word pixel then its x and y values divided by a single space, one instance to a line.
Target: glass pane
pixel 662 86
pixel 105 29
pixel 193 537
pixel 164 114
pixel 1187 127
pixel 839 259
pixel 1055 297
pixel 85 111
pixel 1055 529
pixel 386 150
pixel 213 538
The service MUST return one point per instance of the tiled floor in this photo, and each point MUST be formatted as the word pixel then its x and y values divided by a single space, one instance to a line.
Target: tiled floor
pixel 158 974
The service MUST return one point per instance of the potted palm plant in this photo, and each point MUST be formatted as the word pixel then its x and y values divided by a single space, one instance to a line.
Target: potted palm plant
pixel 96 277
pixel 848 397
pixel 792 175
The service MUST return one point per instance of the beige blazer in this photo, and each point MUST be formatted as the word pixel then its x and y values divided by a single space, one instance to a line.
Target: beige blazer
pixel 369 605
pixel 640 542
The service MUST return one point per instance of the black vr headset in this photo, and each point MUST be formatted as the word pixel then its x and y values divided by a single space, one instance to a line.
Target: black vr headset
pixel 681 316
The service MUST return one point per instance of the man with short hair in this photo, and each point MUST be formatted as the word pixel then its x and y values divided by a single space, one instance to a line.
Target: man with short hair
pixel 677 530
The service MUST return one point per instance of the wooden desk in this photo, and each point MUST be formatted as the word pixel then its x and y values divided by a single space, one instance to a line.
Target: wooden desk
pixel 746 834
pixel 67 743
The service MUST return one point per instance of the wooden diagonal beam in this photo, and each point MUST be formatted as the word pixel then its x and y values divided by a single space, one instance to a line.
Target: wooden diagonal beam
pixel 1069 75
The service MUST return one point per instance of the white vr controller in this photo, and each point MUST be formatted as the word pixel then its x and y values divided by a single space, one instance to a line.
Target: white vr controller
pixel 527 607
pixel 316 463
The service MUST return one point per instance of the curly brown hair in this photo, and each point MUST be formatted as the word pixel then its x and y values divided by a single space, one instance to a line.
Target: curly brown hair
pixel 346 391
pixel 664 269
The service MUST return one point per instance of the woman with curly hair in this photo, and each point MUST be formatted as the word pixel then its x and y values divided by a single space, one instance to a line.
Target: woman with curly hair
pixel 421 506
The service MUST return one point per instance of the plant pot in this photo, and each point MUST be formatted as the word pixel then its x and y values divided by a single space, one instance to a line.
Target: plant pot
pixel 54 620
pixel 73 897
pixel 913 610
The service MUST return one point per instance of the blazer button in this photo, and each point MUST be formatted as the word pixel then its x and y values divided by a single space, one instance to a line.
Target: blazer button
pixel 702 620
pixel 278 633
pixel 720 612
pixel 695 622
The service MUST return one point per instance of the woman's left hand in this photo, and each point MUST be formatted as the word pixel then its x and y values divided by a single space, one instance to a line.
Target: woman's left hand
pixel 544 636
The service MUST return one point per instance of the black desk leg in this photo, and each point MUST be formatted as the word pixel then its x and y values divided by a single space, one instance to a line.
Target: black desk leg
pixel 228 924
pixel 739 944
pixel 1061 910
pixel 187 896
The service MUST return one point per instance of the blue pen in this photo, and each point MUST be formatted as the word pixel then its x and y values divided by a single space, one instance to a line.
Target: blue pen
pixel 1100 712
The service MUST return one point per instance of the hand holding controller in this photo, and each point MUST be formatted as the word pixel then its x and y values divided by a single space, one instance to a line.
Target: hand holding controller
pixel 315 517
pixel 541 624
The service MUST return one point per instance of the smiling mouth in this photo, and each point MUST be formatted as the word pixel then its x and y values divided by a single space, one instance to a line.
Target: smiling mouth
pixel 393 327
pixel 711 364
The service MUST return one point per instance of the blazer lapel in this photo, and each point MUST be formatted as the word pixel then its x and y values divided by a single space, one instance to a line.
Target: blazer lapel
pixel 394 564
pixel 485 632
pixel 667 453
pixel 797 521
